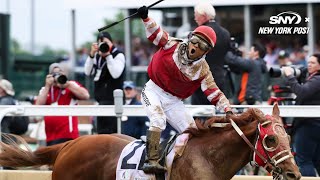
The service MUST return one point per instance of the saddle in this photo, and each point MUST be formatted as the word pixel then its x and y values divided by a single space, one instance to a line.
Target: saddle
pixel 133 156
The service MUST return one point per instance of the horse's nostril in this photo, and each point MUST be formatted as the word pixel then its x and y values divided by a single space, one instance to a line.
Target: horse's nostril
pixel 292 176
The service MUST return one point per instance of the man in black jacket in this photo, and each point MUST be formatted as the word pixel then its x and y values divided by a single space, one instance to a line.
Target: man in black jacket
pixel 251 70
pixel 204 14
pixel 106 65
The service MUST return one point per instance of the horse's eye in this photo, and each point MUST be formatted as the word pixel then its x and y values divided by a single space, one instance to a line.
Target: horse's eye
pixel 270 142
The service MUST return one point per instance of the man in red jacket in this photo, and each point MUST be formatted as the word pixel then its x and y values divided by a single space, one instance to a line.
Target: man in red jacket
pixel 177 69
pixel 58 90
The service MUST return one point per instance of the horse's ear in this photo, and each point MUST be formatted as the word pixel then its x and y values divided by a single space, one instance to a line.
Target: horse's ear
pixel 276 111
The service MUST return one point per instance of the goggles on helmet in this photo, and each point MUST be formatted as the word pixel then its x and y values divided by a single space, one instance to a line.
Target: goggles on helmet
pixel 203 45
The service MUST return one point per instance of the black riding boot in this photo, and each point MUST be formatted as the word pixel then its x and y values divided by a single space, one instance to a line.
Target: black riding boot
pixel 151 164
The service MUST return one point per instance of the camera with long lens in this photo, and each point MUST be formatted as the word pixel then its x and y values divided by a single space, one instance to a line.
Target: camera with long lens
pixel 103 47
pixel 60 78
pixel 279 72
pixel 234 47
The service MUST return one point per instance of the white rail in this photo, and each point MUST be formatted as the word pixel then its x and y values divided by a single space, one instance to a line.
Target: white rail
pixel 137 110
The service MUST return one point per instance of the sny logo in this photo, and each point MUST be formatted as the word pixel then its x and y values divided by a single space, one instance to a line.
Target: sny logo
pixel 283 24
pixel 288 17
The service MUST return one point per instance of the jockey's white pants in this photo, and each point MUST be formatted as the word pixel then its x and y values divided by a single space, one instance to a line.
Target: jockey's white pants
pixel 162 106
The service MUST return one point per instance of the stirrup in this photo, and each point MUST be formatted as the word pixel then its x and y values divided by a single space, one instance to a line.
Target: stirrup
pixel 154 167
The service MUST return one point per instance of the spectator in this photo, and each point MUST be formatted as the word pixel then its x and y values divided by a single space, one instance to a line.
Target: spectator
pixel 15 125
pixel 306 130
pixel 300 57
pixel 204 14
pixel 177 69
pixel 278 84
pixel 133 126
pixel 271 54
pixel 58 90
pixel 252 70
pixel 82 55
pixel 106 65
pixel 284 58
pixel 281 93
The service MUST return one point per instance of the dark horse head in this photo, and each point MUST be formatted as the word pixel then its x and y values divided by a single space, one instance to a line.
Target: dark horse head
pixel 211 152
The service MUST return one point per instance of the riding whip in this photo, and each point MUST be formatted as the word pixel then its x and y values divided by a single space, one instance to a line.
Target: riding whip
pixel 114 23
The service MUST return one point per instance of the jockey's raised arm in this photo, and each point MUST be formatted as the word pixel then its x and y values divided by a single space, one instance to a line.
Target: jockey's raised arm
pixel 213 93
pixel 155 33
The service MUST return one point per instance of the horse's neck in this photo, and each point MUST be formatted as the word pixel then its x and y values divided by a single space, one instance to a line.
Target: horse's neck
pixel 226 153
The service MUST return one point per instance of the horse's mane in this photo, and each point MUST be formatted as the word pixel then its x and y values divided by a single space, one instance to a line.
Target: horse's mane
pixel 245 118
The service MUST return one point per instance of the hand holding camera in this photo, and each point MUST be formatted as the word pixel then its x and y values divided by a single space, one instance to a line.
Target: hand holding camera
pixel 104 47
pixel 94 49
pixel 234 47
pixel 287 71
pixel 60 78
pixel 49 80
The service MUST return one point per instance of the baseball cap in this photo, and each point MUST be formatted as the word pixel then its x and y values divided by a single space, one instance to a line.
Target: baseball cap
pixel 128 84
pixel 54 65
pixel 283 54
pixel 104 34
pixel 7 87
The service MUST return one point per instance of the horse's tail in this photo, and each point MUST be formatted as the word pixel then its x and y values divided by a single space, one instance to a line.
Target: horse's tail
pixel 14 155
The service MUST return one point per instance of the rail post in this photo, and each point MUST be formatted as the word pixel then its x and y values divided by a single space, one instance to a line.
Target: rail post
pixel 118 107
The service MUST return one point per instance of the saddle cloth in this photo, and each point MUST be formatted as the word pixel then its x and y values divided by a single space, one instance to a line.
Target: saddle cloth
pixel 132 157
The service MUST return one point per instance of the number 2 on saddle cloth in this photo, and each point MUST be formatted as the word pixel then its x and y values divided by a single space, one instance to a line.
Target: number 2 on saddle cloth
pixel 133 155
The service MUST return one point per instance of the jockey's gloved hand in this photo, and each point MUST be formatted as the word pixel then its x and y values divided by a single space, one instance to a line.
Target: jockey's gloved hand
pixel 228 115
pixel 143 12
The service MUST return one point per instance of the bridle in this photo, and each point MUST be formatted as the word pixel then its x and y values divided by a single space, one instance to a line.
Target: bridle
pixel 267 157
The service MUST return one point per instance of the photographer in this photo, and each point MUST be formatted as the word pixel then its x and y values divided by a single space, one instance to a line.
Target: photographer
pixel 306 130
pixel 106 65
pixel 234 47
pixel 58 90
pixel 277 80
pixel 251 70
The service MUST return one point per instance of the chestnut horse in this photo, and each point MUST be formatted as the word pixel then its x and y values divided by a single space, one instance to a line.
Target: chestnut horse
pixel 211 152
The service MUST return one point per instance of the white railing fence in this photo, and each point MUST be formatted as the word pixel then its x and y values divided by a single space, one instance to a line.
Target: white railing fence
pixel 137 110
pixel 120 110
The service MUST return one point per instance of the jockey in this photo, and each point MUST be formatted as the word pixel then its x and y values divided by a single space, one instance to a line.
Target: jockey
pixel 176 71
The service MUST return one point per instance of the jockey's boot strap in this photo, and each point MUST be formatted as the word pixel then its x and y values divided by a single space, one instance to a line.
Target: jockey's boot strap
pixel 151 164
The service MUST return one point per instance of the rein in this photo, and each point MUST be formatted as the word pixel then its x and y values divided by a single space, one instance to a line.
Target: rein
pixel 270 162
pixel 238 130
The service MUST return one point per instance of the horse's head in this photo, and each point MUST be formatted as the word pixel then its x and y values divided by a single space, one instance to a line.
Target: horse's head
pixel 273 144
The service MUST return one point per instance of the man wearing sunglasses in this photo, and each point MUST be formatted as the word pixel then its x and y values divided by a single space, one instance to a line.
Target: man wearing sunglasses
pixel 176 71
